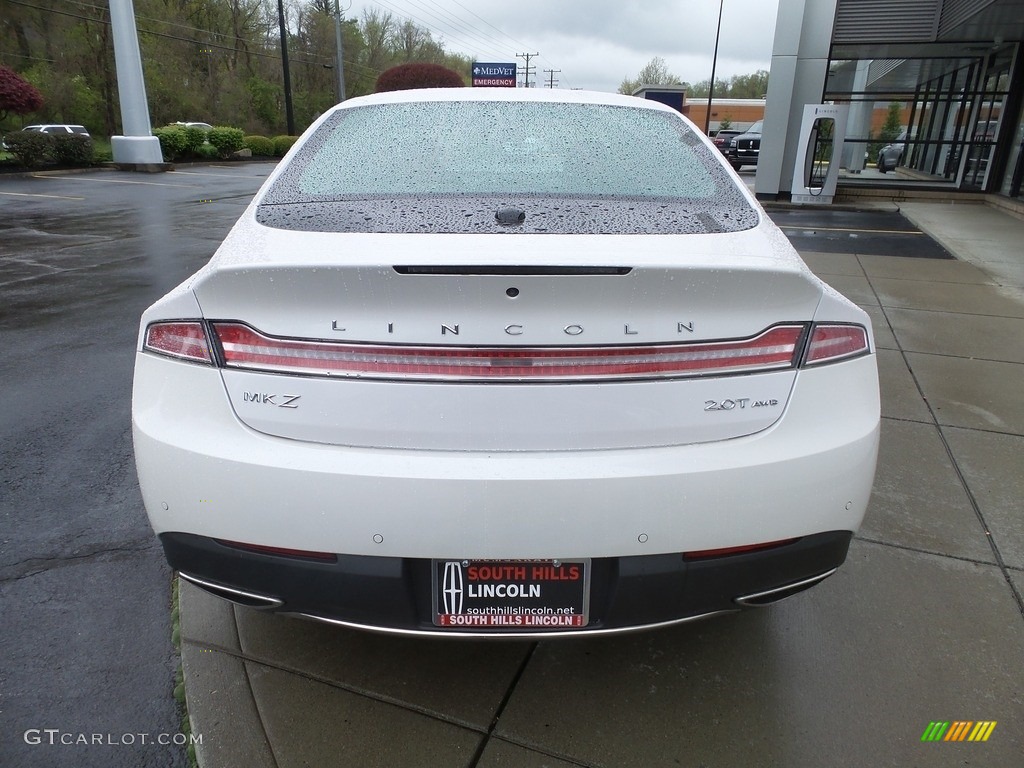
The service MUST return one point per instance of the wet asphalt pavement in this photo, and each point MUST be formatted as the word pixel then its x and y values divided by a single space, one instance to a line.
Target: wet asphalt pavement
pixel 84 591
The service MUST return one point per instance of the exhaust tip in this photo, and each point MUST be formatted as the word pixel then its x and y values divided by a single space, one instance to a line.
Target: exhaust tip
pixel 248 599
pixel 759 599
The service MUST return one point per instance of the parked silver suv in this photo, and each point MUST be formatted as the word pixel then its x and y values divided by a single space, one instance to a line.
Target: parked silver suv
pixel 58 128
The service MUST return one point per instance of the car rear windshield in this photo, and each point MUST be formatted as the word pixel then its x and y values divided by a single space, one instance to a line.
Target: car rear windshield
pixel 505 150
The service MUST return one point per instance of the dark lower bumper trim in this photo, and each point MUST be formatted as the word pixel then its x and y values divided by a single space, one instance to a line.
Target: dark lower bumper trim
pixel 394 594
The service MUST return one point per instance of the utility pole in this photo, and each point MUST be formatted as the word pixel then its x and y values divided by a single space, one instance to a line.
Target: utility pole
pixel 527 70
pixel 714 62
pixel 338 62
pixel 289 114
pixel 551 76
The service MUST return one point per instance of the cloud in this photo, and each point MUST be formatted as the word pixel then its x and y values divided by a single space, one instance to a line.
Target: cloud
pixel 598 43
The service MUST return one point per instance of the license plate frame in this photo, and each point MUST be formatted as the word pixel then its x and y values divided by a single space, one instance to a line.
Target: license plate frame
pixel 511 595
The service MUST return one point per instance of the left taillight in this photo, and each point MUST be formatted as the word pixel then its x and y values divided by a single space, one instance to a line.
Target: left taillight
pixel 182 339
pixel 830 343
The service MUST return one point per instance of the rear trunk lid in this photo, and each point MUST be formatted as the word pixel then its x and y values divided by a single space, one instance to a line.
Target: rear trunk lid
pixel 500 309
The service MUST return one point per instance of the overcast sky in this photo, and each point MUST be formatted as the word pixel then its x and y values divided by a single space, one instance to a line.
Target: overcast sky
pixel 597 43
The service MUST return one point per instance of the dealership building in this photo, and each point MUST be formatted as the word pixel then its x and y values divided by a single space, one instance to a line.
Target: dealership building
pixel 952 71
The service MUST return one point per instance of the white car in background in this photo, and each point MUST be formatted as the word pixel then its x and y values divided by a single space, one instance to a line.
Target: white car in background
pixel 492 362
pixel 57 129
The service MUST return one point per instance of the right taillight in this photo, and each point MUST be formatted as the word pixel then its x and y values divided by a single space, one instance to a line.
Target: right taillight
pixel 830 343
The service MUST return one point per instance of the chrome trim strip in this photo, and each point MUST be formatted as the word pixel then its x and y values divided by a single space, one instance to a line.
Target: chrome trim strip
pixel 218 589
pixel 745 600
pixel 439 632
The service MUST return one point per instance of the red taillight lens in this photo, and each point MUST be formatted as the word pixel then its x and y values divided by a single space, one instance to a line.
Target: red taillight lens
pixel 246 348
pixel 706 554
pixel 830 343
pixel 183 339
pixel 280 551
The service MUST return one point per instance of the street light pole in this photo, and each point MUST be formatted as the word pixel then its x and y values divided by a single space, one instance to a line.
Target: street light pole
pixel 289 114
pixel 714 63
pixel 340 64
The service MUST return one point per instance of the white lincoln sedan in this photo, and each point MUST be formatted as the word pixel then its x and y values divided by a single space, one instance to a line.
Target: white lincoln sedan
pixel 493 362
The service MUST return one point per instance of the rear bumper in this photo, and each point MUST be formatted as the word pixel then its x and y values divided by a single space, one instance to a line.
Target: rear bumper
pixel 389 513
pixel 744 157
pixel 202 471
pixel 394 594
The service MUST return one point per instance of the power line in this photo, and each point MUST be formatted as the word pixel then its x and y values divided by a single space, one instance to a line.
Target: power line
pixel 465 26
pixel 518 43
pixel 456 23
pixel 407 16
pixel 479 33
pixel 551 77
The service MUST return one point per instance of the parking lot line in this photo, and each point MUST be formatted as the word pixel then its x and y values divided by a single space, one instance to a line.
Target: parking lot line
pixel 52 197
pixel 109 181
pixel 215 175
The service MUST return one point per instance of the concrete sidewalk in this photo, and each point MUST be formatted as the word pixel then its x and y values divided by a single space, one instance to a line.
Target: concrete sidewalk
pixel 925 622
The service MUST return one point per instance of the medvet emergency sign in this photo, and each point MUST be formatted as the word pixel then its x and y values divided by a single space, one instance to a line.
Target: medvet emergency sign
pixel 494 75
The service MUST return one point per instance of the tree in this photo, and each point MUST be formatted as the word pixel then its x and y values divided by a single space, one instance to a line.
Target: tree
pixel 17 96
pixel 893 125
pixel 752 86
pixel 418 75
pixel 218 61
pixel 655 73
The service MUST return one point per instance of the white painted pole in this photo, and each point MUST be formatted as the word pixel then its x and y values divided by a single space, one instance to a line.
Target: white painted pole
pixel 137 146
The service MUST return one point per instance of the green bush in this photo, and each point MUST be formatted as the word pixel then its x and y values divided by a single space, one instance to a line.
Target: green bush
pixel 260 146
pixel 282 144
pixel 101 151
pixel 226 140
pixel 173 141
pixel 72 149
pixel 30 147
pixel 208 152
pixel 195 137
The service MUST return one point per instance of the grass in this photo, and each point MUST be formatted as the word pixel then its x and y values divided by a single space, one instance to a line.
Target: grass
pixel 179 675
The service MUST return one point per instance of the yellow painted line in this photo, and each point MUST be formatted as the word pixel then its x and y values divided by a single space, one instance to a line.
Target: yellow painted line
pixel 848 229
pixel 111 181
pixel 52 197
pixel 215 175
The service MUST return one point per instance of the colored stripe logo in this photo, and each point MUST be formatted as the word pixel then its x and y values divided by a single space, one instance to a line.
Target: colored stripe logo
pixel 958 730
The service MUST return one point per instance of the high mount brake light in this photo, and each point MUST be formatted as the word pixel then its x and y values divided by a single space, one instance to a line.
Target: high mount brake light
pixel 185 340
pixel 245 348
pixel 831 343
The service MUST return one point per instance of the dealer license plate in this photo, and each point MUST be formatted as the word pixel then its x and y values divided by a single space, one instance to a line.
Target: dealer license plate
pixel 511 594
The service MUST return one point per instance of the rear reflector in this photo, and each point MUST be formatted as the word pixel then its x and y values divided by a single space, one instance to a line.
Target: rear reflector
pixel 280 551
pixel 245 348
pixel 705 554
pixel 830 343
pixel 184 340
